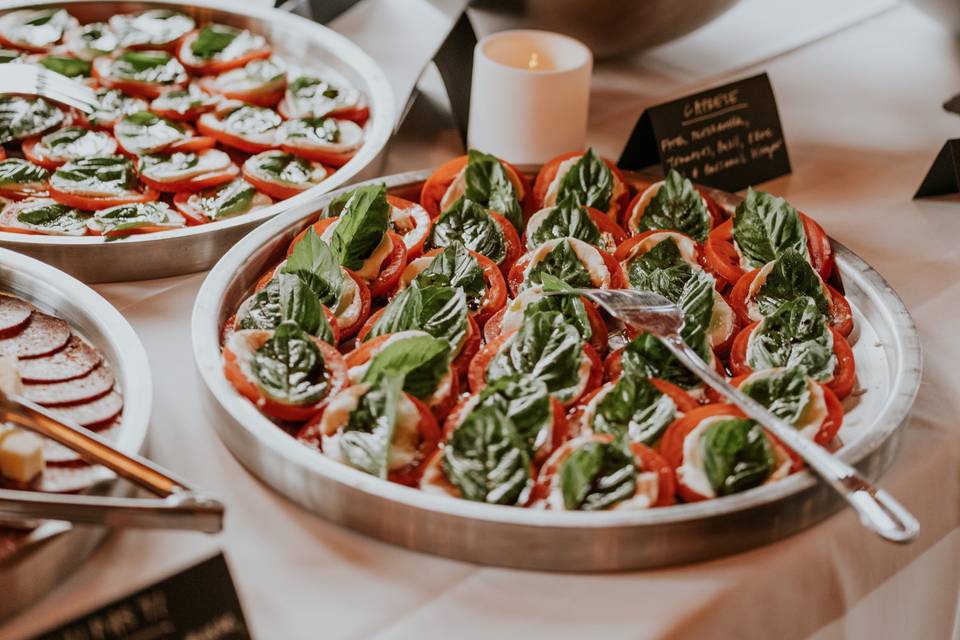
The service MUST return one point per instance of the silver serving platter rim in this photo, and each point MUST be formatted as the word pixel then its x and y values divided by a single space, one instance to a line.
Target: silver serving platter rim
pixel 53 549
pixel 221 234
pixel 258 443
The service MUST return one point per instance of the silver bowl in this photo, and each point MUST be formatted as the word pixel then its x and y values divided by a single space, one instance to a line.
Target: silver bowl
pixel 609 27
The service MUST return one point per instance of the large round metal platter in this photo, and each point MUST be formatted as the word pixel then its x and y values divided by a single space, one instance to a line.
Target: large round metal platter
pixel 45 554
pixel 885 344
pixel 187 250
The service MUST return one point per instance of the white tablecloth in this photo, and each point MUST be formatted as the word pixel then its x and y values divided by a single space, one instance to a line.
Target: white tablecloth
pixel 862 118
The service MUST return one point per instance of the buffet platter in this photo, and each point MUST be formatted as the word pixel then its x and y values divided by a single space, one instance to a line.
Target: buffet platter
pixel 289 447
pixel 99 377
pixel 223 103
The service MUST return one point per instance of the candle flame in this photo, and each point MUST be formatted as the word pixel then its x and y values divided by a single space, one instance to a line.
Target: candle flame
pixel 534 60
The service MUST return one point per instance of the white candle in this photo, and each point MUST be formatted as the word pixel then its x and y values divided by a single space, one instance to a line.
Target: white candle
pixel 529 96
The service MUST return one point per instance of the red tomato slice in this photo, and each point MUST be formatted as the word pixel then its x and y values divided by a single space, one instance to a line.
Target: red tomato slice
pixel 359 114
pixel 549 171
pixel 259 98
pixel 208 125
pixel 515 277
pixel 419 228
pixel 148 90
pixel 831 423
pixel 350 330
pixel 191 144
pixel 495 287
pixel 431 195
pixel 334 364
pixel 22 191
pixel 844 375
pixel 717 214
pixel 511 242
pixel 197 183
pixel 671 446
pixel 722 259
pixel 628 250
pixel 841 316
pixel 272 189
pixel 391 268
pixel 599 333
pixel 91 203
pixel 318 155
pixel 29 152
pixel 213 67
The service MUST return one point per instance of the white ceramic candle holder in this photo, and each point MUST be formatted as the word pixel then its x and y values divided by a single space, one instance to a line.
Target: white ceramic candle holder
pixel 530 94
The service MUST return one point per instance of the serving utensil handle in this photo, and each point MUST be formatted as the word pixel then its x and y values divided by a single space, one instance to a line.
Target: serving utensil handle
pixel 878 510
pixel 90 446
pixel 184 511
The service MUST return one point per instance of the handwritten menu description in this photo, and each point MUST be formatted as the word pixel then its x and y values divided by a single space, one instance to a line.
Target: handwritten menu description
pixel 728 137
pixel 197 604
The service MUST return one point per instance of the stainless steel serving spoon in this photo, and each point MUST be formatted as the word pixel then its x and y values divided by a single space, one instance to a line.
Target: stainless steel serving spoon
pixel 650 312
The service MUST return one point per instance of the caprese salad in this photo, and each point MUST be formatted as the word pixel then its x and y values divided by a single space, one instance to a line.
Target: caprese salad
pixel 468 376
pixel 195 123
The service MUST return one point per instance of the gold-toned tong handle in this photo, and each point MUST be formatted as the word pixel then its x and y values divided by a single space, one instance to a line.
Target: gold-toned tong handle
pixel 89 446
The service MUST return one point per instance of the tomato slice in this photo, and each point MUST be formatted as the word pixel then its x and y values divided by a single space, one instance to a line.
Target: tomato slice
pixel 671 446
pixel 93 203
pixel 334 364
pixel 548 172
pixel 197 183
pixel 841 315
pixel 844 374
pixel 517 274
pixel 258 97
pixel 200 67
pixel 431 195
pixel 722 259
pixel 411 222
pixel 209 125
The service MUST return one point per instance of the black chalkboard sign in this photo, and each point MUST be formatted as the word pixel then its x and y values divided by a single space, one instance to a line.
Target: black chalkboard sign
pixel 727 137
pixel 200 602
pixel 944 175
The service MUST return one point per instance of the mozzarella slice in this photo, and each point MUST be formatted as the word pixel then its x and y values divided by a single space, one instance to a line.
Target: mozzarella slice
pixel 210 161
pixel 350 303
pixel 753 310
pixel 588 254
pixel 553 188
pixel 456 189
pixel 722 320
pixel 691 472
pixel 371 266
pixel 414 269
pixel 814 414
pixel 357 372
pixel 686 245
pixel 350 138
pixel 513 313
pixel 633 221
pixel 413 222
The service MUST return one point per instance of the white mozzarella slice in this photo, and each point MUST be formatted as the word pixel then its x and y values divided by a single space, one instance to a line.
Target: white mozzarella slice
pixel 753 310
pixel 351 138
pixel 371 266
pixel 414 269
pixel 813 414
pixel 209 161
pixel 413 222
pixel 513 313
pixel 553 188
pixel 357 372
pixel 686 245
pixel 588 254
pixel 456 189
pixel 691 472
pixel 350 304
pixel 722 320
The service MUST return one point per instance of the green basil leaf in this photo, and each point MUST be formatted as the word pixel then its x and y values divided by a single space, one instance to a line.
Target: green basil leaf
pixel 65 66
pixel 765 227
pixel 736 455
pixel 363 222
pixel 646 357
pixel 792 277
pixel 225 200
pixel 213 39
pixel 489 184
pixel 570 307
pixel 696 301
pixel 423 361
pixel 469 223
pixel 486 460
pixel 286 298
pixel 439 311
pixel 547 348
pixel 456 267
pixel 660 270
pixel 14 171
pixel 566 219
pixel 365 442
pixel 126 217
pixel 314 262
pixel 589 182
pixel 563 263
pixel 677 206
pixel 636 409
pixel 525 400
pixel 597 475
pixel 796 334
pixel 25 117
pixel 56 219
pixel 285 168
pixel 784 392
pixel 155 67
pixel 289 367
pixel 102 173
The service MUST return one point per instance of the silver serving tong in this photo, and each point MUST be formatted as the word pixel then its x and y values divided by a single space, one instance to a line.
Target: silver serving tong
pixel 653 313
pixel 178 506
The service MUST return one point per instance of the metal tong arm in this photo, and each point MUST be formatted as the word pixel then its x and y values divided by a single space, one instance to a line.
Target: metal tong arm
pixel 878 510
pixel 179 507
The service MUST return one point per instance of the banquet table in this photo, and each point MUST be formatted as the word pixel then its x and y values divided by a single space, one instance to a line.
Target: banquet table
pixel 860 104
